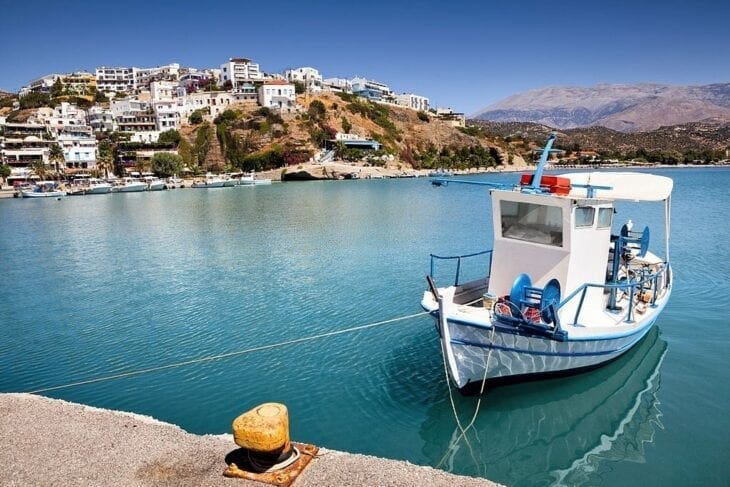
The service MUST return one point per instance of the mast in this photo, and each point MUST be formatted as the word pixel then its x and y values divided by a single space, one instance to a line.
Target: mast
pixel 543 161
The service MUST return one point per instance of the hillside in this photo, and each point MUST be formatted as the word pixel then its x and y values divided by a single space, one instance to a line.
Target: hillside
pixel 252 138
pixel 621 107
pixel 706 140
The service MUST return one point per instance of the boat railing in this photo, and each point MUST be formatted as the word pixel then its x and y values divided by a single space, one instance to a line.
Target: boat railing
pixel 629 286
pixel 458 259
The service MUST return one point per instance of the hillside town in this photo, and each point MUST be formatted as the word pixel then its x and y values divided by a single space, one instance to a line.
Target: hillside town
pixel 68 117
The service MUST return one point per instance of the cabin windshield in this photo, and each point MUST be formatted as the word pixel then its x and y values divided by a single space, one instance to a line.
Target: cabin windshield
pixel 532 223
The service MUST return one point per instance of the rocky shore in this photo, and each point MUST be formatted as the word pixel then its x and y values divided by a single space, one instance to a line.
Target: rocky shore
pixel 53 442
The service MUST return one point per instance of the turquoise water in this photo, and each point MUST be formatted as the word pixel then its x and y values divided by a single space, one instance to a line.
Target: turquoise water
pixel 100 285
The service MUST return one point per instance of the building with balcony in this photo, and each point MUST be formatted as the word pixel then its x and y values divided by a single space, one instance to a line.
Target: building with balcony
pixel 309 77
pixel 39 85
pixel 79 147
pixel 131 79
pixel 455 119
pixel 101 119
pixel 22 146
pixel 337 85
pixel 239 71
pixel 371 89
pixel 279 95
pixel 410 100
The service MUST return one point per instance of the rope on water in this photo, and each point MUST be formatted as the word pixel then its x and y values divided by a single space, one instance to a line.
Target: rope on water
pixel 212 358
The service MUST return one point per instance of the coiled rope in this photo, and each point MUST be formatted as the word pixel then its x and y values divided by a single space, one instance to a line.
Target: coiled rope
pixel 212 358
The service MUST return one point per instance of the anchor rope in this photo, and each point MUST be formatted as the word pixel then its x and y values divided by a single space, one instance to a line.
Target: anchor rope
pixel 212 358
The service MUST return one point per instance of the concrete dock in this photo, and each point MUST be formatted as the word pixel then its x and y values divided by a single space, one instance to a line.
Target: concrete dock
pixel 53 442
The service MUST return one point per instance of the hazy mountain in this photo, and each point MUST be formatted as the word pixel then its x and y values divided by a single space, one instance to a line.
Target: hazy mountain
pixel 626 108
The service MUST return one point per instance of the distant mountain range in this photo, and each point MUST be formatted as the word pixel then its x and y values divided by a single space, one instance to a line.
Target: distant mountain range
pixel 621 107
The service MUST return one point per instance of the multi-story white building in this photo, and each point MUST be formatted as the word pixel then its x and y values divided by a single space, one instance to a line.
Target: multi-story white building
pixel 63 115
pixel 79 147
pixel 167 114
pixel 101 119
pixel 119 80
pixel 279 95
pixel 137 117
pixel 239 71
pixel 163 90
pixel 39 85
pixel 337 85
pixel 309 77
pixel 412 101
pixel 132 79
pixel 22 146
pixel 371 89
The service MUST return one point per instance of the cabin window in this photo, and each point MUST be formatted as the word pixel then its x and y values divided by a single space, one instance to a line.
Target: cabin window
pixel 584 216
pixel 605 217
pixel 532 223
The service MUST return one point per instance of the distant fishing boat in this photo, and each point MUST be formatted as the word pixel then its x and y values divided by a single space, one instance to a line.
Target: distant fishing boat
pixel 562 292
pixel 43 189
pixel 129 185
pixel 251 180
pixel 210 181
pixel 440 173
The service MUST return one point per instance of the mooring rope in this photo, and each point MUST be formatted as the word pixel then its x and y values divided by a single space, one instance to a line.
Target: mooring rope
pixel 212 358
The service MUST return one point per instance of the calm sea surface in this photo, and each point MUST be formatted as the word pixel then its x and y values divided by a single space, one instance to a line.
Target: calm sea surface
pixel 101 285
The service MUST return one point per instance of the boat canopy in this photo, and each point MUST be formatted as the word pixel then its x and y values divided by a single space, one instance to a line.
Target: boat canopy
pixel 626 186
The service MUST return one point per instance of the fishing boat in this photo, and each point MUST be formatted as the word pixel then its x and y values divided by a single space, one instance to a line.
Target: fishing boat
pixel 250 179
pixel 42 189
pixel 562 291
pixel 98 186
pixel 210 181
pixel 154 183
pixel 129 185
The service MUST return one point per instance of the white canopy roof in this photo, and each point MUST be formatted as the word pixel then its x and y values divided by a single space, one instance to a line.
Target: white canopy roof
pixel 629 186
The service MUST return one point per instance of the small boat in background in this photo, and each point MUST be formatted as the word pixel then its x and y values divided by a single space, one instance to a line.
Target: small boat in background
pixel 251 180
pixel 98 186
pixel 154 183
pixel 129 185
pixel 210 181
pixel 43 189
pixel 440 173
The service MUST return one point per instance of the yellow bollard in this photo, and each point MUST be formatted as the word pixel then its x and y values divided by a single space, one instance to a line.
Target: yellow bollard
pixel 264 430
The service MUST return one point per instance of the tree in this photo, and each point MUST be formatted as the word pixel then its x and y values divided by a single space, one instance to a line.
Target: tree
pixel 299 87
pixel 316 110
pixel 185 151
pixel 227 86
pixel 57 88
pixel 5 171
pixel 56 156
pixel 171 137
pixel 105 160
pixel 196 117
pixel 165 164
pixel 40 169
pixel 346 125
pixel 100 97
pixel 202 143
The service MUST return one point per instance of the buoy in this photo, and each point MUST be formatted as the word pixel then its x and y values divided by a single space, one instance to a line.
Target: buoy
pixel 267 454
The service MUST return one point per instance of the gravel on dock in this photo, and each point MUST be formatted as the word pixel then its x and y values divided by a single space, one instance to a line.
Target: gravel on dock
pixel 54 442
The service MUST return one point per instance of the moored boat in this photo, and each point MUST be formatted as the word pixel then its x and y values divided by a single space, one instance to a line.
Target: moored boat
pixel 250 179
pixel 129 185
pixel 210 181
pixel 98 186
pixel 547 303
pixel 154 183
pixel 43 189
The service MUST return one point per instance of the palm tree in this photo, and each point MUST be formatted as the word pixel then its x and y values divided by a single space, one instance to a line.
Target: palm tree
pixel 106 157
pixel 56 156
pixel 40 170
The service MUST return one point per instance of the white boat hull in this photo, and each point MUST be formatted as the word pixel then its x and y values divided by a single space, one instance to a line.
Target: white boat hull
pixel 134 188
pixel 47 194
pixel 506 352
pixel 99 190
pixel 210 184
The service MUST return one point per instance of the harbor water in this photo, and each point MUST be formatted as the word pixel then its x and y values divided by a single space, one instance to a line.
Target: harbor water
pixel 102 285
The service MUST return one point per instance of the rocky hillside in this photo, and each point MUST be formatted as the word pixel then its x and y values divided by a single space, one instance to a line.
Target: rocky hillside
pixel 249 137
pixel 625 108
pixel 703 140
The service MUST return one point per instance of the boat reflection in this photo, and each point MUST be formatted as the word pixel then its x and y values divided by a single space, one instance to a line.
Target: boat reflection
pixel 562 431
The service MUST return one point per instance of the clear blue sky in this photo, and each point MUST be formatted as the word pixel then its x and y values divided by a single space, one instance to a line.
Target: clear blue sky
pixel 460 54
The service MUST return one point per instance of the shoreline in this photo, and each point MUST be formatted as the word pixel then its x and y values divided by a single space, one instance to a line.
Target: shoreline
pixel 370 172
pixel 55 442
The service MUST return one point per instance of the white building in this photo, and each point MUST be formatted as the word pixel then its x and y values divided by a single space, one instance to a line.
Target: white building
pixel 167 114
pixel 455 119
pixel 239 71
pixel 309 77
pixel 163 90
pixel 22 146
pixel 101 119
pixel 39 85
pixel 410 100
pixel 79 147
pixel 132 79
pixel 137 117
pixel 337 85
pixel 279 95
pixel 371 89
pixel 63 115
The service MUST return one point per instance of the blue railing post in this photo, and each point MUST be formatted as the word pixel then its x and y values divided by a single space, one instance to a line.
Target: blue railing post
pixel 580 304
pixel 629 318
pixel 458 271
pixel 656 291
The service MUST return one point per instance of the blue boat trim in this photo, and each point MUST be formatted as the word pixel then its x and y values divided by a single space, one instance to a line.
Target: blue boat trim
pixel 469 343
